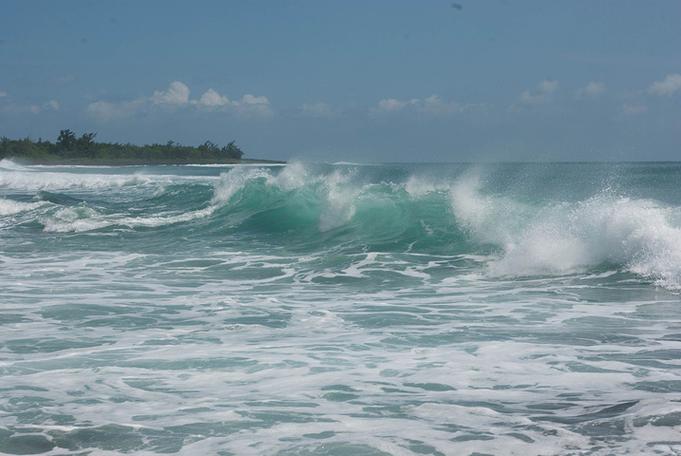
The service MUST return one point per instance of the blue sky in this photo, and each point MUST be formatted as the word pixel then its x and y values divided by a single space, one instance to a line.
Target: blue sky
pixel 352 80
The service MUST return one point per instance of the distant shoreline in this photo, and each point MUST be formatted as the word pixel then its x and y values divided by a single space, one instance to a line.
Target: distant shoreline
pixel 139 162
pixel 70 149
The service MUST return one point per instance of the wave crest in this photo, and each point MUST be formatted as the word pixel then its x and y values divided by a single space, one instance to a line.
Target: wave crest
pixel 309 207
pixel 636 234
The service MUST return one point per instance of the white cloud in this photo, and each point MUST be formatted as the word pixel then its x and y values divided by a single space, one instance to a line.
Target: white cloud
pixel 391 104
pixel 319 110
pixel 102 109
pixel 592 89
pixel 176 94
pixel 541 94
pixel 248 105
pixel 106 110
pixel 634 109
pixel 3 93
pixel 251 105
pixel 249 99
pixel 435 105
pixel 212 99
pixel 51 105
pixel 668 86
pixel 430 105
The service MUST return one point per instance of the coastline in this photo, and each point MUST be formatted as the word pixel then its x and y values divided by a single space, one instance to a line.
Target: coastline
pixel 72 150
pixel 141 162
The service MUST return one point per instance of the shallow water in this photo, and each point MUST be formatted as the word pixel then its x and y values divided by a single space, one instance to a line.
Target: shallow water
pixel 341 309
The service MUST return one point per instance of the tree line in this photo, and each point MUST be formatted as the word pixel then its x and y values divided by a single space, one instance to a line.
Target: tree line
pixel 70 147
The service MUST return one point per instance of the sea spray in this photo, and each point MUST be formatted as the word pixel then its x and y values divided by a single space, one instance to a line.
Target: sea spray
pixel 556 238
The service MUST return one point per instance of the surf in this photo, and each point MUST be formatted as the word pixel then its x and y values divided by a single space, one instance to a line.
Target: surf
pixel 310 208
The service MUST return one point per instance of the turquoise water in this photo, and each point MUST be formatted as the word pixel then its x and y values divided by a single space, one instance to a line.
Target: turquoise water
pixel 341 309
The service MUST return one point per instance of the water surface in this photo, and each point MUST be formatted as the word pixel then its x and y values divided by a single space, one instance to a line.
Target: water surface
pixel 341 309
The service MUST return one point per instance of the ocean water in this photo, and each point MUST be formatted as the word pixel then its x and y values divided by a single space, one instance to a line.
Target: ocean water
pixel 318 309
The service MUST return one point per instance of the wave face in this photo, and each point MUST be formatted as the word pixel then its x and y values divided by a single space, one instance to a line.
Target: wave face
pixel 341 309
pixel 307 208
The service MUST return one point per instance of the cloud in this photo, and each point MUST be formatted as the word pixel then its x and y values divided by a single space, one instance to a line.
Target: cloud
pixel 634 109
pixel 435 105
pixel 541 94
pixel 431 105
pixel 247 105
pixel 52 104
pixel 212 99
pixel 49 105
pixel 319 110
pixel 106 110
pixel 177 96
pixel 591 90
pixel 251 105
pixel 668 86
pixel 391 104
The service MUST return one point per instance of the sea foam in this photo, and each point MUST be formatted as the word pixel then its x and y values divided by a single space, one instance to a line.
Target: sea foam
pixel 636 234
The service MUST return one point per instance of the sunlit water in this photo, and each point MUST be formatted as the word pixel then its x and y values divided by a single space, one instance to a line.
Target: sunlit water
pixel 341 309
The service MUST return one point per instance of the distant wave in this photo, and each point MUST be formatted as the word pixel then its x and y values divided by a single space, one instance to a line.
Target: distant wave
pixel 232 165
pixel 9 165
pixel 10 207
pixel 37 178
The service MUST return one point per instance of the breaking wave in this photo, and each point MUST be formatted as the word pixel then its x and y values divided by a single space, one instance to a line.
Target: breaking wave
pixel 10 207
pixel 638 235
pixel 304 207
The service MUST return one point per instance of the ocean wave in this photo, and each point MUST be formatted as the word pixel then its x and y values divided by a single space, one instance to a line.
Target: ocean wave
pixel 9 165
pixel 310 207
pixel 11 207
pixel 35 181
pixel 636 234
pixel 641 236
pixel 83 218
pixel 36 178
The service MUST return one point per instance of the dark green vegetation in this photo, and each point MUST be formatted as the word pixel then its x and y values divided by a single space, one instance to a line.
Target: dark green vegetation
pixel 71 149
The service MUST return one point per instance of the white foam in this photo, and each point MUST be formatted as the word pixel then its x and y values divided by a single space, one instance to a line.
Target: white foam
pixel 293 176
pixel 40 180
pixel 234 180
pixel 10 207
pixel 8 164
pixel 233 165
pixel 36 178
pixel 418 187
pixel 340 202
pixel 80 219
pixel 567 237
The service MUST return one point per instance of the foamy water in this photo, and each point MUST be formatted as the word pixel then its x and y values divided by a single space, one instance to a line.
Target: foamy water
pixel 341 310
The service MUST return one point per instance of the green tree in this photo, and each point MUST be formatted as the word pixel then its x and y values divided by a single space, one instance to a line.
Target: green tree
pixel 66 140
pixel 231 150
pixel 209 147
pixel 86 140
pixel 86 145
